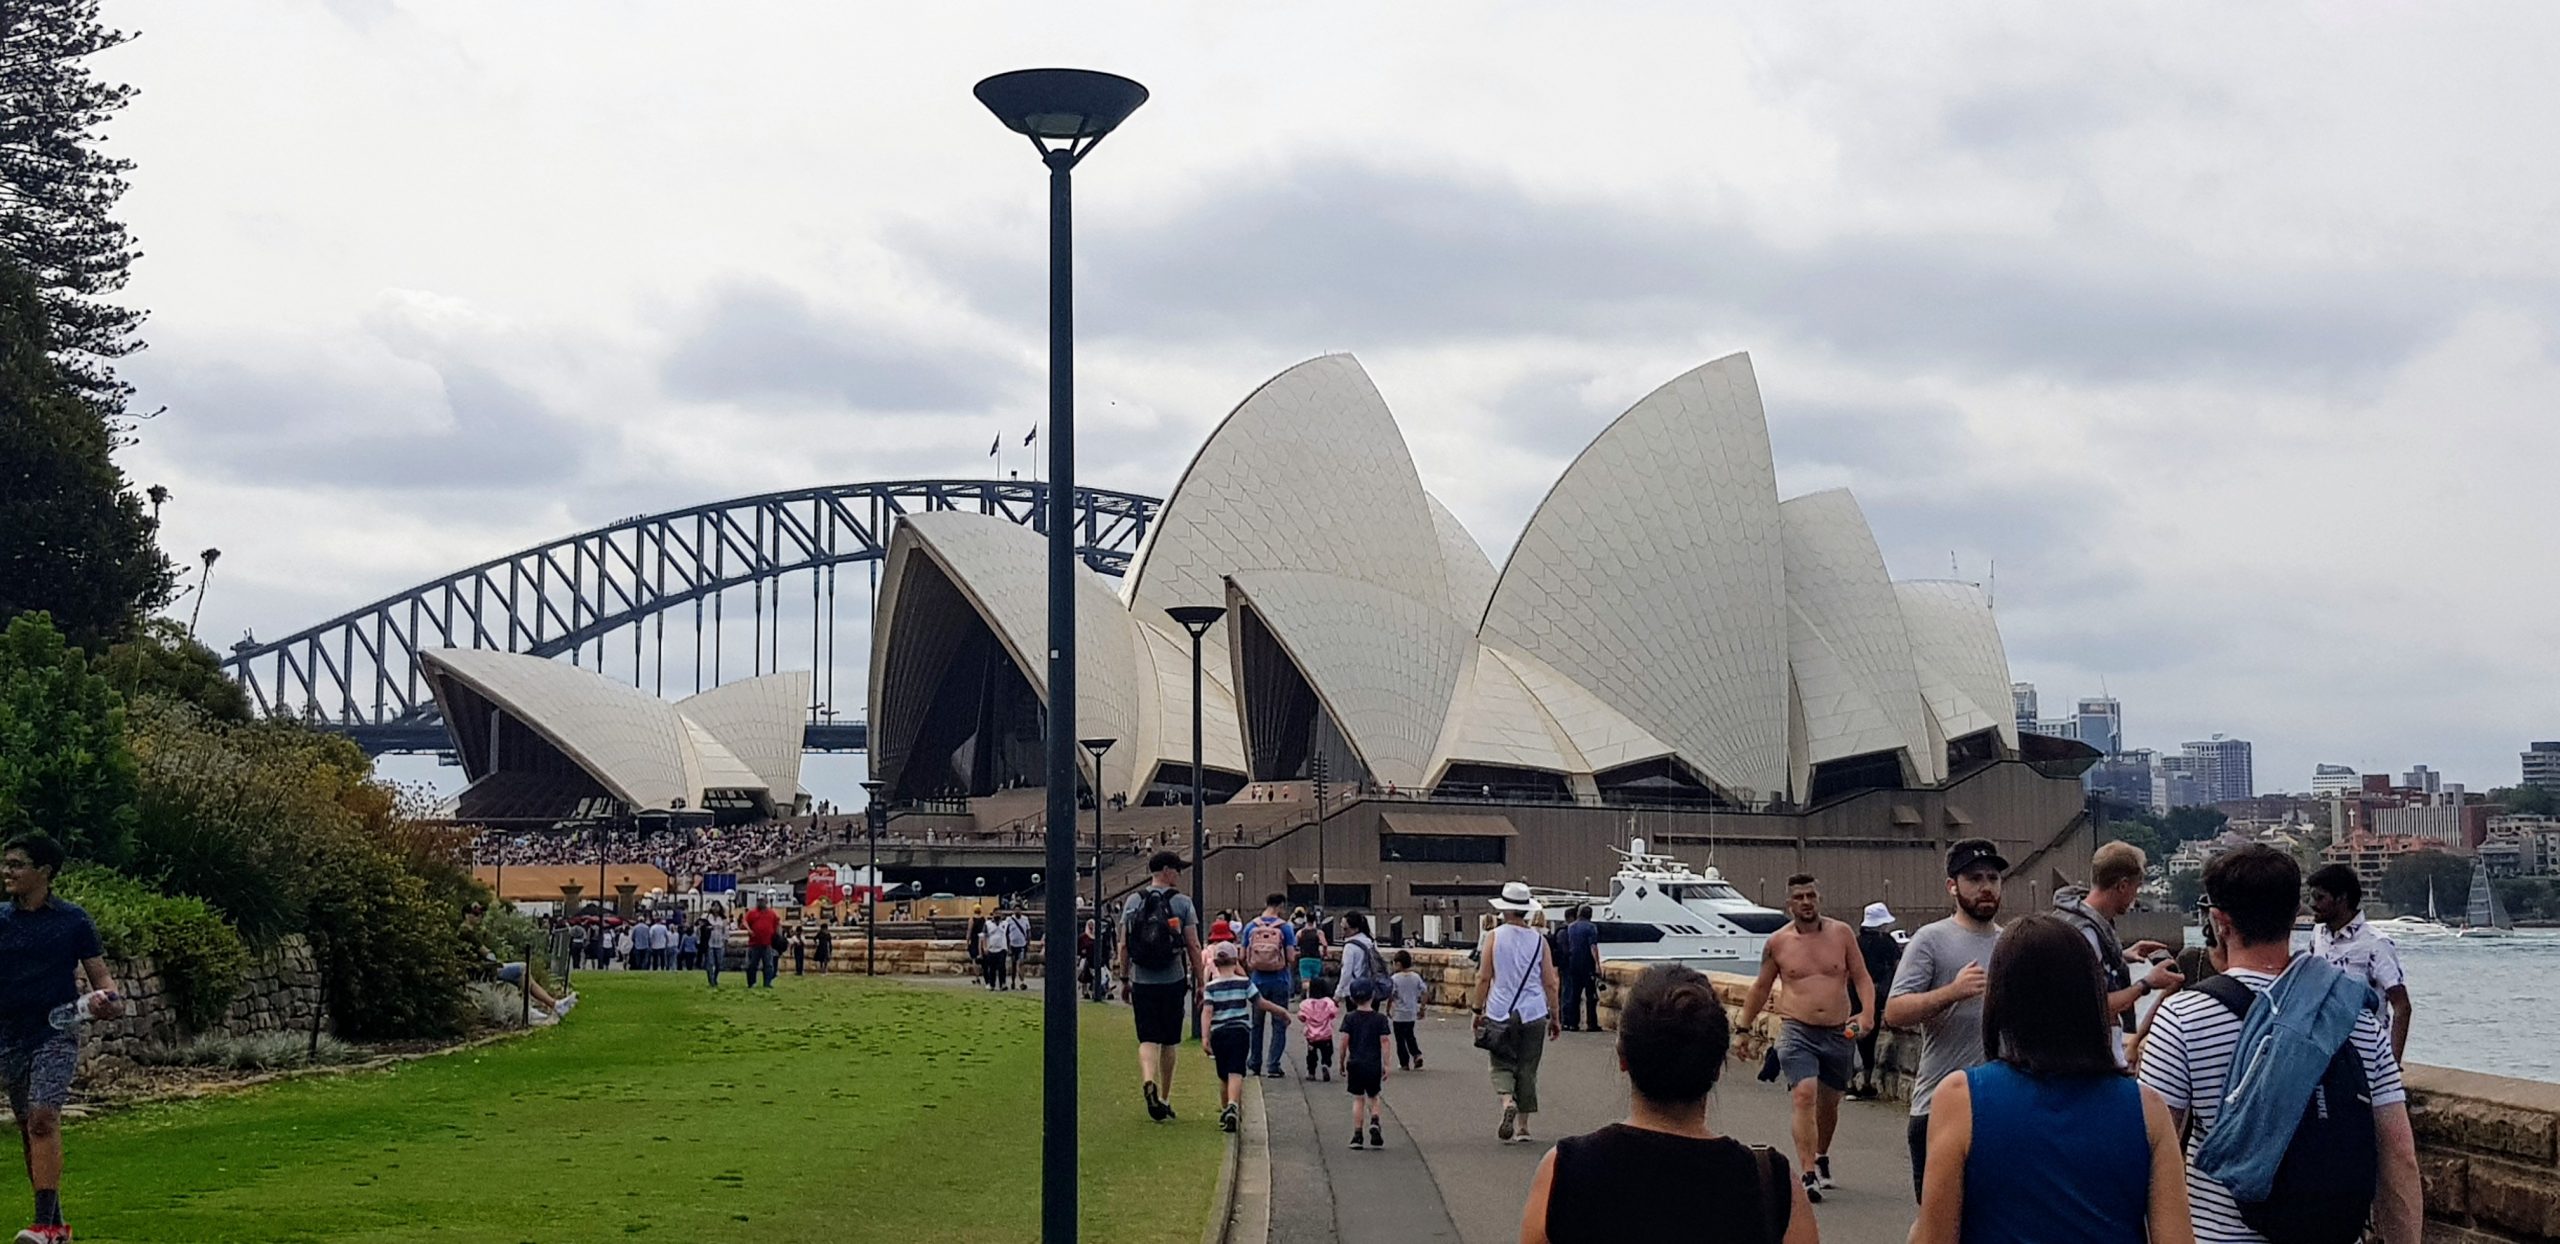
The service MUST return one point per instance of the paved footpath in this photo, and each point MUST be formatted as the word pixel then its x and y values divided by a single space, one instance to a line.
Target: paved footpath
pixel 1443 1176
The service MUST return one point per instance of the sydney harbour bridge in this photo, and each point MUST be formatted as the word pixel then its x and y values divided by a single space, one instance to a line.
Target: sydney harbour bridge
pixel 715 574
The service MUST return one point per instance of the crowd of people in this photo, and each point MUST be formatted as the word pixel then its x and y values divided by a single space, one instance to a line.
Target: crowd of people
pixel 2070 1086
pixel 682 853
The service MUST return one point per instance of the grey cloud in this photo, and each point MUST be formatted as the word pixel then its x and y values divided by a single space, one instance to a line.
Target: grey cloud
pixel 762 342
pixel 1335 252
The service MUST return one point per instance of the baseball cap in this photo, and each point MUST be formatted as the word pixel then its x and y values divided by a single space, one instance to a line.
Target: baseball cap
pixel 1225 952
pixel 1973 852
pixel 1878 916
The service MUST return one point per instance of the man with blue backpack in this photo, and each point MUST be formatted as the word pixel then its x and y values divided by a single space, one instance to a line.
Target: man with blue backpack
pixel 2281 1074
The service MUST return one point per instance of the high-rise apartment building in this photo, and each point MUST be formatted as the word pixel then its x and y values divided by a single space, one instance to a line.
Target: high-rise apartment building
pixel 2542 766
pixel 2022 706
pixel 2102 724
pixel 2422 778
pixel 2335 780
pixel 2222 768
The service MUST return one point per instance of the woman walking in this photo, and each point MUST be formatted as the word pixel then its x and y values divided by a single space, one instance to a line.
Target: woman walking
pixel 2073 1149
pixel 1515 1008
pixel 1613 1185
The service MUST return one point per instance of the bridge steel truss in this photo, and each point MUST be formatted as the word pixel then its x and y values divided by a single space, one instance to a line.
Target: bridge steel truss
pixel 358 673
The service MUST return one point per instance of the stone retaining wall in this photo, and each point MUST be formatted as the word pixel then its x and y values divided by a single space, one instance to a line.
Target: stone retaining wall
pixel 280 993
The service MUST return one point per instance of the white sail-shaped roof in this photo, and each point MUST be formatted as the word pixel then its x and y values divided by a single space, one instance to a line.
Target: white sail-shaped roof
pixel 1846 639
pixel 1469 572
pixel 762 722
pixel 1652 576
pixel 1956 651
pixel 1385 665
pixel 639 748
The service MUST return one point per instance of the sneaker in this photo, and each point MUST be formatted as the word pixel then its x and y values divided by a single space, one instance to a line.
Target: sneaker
pixel 42 1234
pixel 1355 1139
pixel 1812 1188
pixel 1510 1124
pixel 1328 1073
pixel 1417 1062
pixel 1228 1117
pixel 1377 1138
pixel 1822 1170
pixel 1156 1109
pixel 1277 1074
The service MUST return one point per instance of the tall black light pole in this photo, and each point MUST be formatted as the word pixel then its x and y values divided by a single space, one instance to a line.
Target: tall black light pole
pixel 1065 113
pixel 872 814
pixel 1097 747
pixel 1197 619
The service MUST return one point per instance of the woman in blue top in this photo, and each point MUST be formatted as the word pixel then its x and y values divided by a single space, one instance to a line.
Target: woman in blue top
pixel 2070 1149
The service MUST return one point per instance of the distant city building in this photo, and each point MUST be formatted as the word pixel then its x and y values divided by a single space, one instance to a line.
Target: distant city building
pixel 2175 783
pixel 2456 829
pixel 2420 777
pixel 2124 778
pixel 2102 724
pixel 2534 839
pixel 2059 728
pixel 2022 706
pixel 2335 780
pixel 2370 855
pixel 2223 769
pixel 2542 766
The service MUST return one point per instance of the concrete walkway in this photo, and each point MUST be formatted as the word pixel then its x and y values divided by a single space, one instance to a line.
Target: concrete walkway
pixel 1444 1177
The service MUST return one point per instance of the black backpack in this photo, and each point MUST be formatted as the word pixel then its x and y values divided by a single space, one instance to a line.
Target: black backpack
pixel 2324 1187
pixel 1153 942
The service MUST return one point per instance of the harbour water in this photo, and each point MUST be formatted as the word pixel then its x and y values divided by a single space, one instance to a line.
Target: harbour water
pixel 2482 1004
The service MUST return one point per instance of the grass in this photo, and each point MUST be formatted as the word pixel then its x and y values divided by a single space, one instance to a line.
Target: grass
pixel 832 1109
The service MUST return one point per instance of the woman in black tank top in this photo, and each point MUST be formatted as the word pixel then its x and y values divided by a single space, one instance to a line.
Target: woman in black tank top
pixel 1662 1177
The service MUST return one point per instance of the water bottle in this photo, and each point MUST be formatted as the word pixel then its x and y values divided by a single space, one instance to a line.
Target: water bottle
pixel 71 1015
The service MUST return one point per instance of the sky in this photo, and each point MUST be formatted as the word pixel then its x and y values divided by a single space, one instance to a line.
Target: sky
pixel 2216 338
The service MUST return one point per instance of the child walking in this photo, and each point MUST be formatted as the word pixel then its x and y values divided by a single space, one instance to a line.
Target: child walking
pixel 1227 1006
pixel 1316 1016
pixel 1406 1011
pixel 1364 1063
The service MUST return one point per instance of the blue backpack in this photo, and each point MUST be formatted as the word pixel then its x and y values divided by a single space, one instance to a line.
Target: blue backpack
pixel 2324 1185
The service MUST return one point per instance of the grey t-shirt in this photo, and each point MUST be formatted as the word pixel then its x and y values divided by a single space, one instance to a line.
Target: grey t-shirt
pixel 1952 1041
pixel 1180 905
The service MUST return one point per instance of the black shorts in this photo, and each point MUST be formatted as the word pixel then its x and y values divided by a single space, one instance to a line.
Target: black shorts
pixel 1364 1080
pixel 1232 1046
pixel 1159 1012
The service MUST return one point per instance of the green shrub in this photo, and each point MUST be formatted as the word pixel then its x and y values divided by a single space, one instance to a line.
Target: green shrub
pixel 263 1051
pixel 201 960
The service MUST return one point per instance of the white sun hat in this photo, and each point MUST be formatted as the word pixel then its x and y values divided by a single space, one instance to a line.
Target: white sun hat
pixel 1878 916
pixel 1516 897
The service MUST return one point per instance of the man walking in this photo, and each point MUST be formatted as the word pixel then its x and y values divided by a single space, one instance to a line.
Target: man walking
pixel 1159 958
pixel 1883 956
pixel 1938 988
pixel 1581 963
pixel 1017 946
pixel 2340 935
pixel 762 925
pixel 1817 1042
pixel 715 944
pixel 42 941
pixel 2195 1039
pixel 826 947
pixel 1270 950
pixel 2115 877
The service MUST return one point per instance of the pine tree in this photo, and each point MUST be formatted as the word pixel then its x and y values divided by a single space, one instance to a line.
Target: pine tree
pixel 57 191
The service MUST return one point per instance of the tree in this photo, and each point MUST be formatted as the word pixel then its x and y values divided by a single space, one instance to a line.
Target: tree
pixel 2533 800
pixel 2193 824
pixel 74 541
pixel 2184 890
pixel 163 660
pixel 57 190
pixel 64 765
pixel 2405 881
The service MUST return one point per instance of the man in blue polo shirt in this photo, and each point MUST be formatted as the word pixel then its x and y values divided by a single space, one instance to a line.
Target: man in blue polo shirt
pixel 43 942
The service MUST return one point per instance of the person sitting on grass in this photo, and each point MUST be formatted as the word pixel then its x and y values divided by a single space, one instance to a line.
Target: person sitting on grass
pixel 510 973
pixel 42 941
pixel 1227 1007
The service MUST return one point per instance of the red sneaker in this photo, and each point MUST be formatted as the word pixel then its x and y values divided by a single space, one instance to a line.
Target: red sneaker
pixel 39 1234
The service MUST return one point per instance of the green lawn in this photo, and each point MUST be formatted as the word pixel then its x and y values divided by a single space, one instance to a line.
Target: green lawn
pixel 833 1109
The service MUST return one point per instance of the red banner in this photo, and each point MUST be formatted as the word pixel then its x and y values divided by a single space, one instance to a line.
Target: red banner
pixel 823 887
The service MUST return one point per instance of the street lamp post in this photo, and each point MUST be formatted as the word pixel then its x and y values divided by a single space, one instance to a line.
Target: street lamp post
pixel 1097 747
pixel 872 814
pixel 1197 619
pixel 1065 113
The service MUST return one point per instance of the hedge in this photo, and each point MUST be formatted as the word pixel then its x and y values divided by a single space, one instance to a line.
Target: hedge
pixel 201 959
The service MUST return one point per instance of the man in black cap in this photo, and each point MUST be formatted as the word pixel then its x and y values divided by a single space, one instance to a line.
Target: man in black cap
pixel 1938 988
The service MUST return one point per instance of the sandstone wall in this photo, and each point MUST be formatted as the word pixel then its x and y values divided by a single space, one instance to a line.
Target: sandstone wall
pixel 281 993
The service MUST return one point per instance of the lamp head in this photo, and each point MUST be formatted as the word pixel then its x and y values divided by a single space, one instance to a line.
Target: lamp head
pixel 1096 746
pixel 1071 107
pixel 1197 619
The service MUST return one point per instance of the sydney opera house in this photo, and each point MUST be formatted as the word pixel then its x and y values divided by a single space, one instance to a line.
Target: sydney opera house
pixel 1669 640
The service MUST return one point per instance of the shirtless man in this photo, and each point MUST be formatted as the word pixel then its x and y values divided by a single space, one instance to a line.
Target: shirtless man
pixel 1818 1042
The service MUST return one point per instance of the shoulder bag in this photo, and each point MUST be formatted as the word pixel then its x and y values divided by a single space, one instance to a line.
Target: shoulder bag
pixel 1496 1033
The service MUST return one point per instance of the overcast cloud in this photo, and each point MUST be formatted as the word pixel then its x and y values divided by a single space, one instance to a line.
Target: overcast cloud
pixel 2222 333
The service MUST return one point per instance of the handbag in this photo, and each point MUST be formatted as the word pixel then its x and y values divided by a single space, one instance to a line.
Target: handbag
pixel 1496 1033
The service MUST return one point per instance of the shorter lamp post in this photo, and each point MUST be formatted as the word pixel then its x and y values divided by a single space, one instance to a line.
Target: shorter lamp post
pixel 1197 619
pixel 1239 908
pixel 1097 747
pixel 873 813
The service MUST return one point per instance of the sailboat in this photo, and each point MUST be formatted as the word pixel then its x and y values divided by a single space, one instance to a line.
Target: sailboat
pixel 2487 916
pixel 2409 926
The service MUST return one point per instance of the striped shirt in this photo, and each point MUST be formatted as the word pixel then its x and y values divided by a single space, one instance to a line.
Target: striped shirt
pixel 2187 1059
pixel 1230 1000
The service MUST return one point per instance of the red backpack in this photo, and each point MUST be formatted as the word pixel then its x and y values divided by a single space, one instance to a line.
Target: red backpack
pixel 1266 947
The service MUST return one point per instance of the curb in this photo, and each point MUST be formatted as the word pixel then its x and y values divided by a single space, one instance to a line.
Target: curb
pixel 225 1088
pixel 1240 1209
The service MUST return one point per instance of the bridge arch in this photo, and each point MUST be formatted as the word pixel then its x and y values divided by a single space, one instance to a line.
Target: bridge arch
pixel 575 596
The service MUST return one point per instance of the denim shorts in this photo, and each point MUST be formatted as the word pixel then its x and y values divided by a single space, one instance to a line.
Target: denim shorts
pixel 37 1069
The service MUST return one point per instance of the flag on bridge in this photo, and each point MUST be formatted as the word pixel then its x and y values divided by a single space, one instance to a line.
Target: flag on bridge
pixel 1035 434
pixel 996 446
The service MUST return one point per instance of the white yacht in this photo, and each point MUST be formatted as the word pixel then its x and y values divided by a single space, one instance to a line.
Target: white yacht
pixel 1660 910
